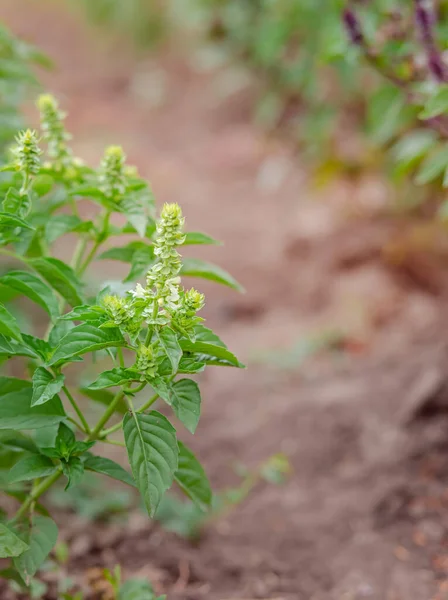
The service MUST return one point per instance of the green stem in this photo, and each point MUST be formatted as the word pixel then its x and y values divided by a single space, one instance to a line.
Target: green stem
pixel 150 402
pixel 26 183
pixel 130 405
pixel 89 258
pixel 149 335
pixel 120 357
pixel 100 239
pixel 76 424
pixel 78 254
pixel 114 442
pixel 74 206
pixel 142 408
pixel 155 310
pixel 13 255
pixel 106 416
pixel 136 389
pixel 61 306
pixel 37 493
pixel 77 409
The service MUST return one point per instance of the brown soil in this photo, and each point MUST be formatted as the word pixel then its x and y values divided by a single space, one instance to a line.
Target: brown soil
pixel 365 512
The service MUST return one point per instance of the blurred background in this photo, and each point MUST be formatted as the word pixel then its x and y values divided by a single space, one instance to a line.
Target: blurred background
pixel 280 137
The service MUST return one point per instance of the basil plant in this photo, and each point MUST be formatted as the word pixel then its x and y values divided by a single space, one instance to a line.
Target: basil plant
pixel 147 332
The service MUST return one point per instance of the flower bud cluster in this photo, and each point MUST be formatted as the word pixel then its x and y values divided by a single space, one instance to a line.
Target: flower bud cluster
pixel 146 361
pixel 163 301
pixel 191 302
pixel 119 310
pixel 53 130
pixel 163 277
pixel 27 153
pixel 112 175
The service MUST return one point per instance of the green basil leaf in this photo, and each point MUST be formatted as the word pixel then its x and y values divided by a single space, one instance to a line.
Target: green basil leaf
pixel 138 206
pixel 192 478
pixel 433 166
pixel 34 288
pixel 190 366
pixel 37 346
pixel 8 221
pixel 46 436
pixel 117 376
pixel 16 411
pixel 125 253
pixel 153 454
pixel 59 225
pixel 13 348
pixel 86 338
pixel 142 259
pixel 51 452
pixel 6 347
pixel 412 147
pixel 73 470
pixel 85 312
pixel 87 191
pixel 58 331
pixel 169 342
pixel 198 238
pixel 80 448
pixel 203 334
pixel 42 184
pixel 185 398
pixel 65 441
pixel 45 386
pixel 108 467
pixel 437 104
pixel 136 589
pixel 61 277
pixel 194 267
pixel 16 203
pixel 187 366
pixel 10 544
pixel 161 385
pixel 135 214
pixel 211 350
pixel 31 467
pixel 386 113
pixel 17 440
pixel 42 538
pixel 9 325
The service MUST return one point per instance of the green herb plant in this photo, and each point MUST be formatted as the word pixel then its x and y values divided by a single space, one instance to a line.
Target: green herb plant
pixel 408 53
pixel 150 334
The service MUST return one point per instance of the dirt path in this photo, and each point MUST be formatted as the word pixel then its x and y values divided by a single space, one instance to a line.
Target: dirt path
pixel 364 513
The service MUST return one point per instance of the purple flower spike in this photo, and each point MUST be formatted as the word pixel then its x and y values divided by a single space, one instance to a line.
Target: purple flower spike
pixel 353 28
pixel 437 66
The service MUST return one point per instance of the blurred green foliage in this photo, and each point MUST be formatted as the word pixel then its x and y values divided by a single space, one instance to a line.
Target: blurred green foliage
pixel 312 81
pixel 17 59
pixel 351 104
pixel 144 20
pixel 308 74
pixel 350 110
